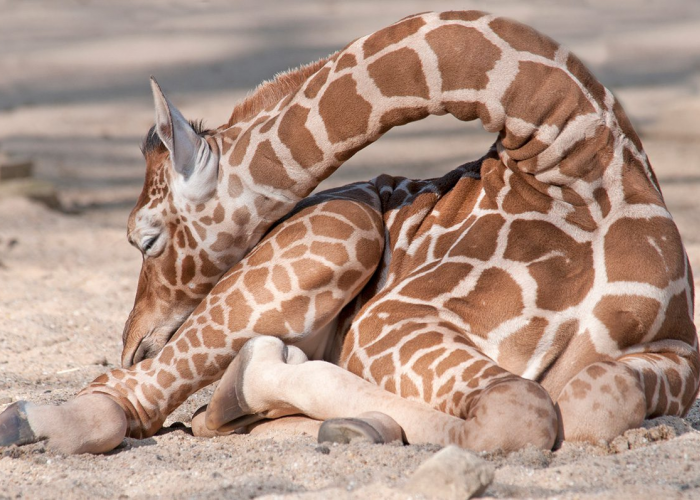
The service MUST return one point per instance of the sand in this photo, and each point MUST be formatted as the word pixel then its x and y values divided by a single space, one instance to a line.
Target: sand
pixel 74 98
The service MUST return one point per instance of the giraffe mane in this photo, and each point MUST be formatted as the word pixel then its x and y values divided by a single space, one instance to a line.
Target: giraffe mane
pixel 270 92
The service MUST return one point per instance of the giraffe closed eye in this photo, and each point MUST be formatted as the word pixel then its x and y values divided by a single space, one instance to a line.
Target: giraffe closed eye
pixel 151 245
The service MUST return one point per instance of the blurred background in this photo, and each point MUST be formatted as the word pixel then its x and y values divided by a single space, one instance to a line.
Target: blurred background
pixel 74 93
pixel 75 100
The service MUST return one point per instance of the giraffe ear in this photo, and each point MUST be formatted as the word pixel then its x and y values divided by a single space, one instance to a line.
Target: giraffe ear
pixel 191 157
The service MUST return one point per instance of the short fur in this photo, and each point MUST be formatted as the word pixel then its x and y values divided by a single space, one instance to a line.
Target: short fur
pixel 273 91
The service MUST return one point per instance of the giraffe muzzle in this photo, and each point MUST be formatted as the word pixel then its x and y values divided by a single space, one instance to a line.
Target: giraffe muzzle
pixel 133 355
pixel 142 341
pixel 147 347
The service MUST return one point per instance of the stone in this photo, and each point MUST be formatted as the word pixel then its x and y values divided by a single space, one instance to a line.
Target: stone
pixel 452 473
pixel 34 189
pixel 14 168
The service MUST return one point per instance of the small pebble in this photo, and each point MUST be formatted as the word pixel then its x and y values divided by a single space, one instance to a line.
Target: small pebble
pixel 451 474
pixel 102 361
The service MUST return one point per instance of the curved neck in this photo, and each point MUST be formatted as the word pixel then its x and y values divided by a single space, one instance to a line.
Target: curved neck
pixel 554 120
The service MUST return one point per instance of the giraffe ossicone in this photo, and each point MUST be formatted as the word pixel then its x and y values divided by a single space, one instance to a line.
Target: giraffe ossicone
pixel 541 292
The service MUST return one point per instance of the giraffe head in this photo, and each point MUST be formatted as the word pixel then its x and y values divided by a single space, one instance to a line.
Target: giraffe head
pixel 189 224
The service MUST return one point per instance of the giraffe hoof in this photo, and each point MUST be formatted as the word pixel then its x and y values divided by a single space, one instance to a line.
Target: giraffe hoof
pixel 373 426
pixel 200 429
pixel 344 430
pixel 14 426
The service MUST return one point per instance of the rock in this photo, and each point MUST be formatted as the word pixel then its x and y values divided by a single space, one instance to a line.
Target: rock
pixel 452 473
pixel 101 361
pixel 659 429
pixel 14 168
pixel 34 189
pixel 679 425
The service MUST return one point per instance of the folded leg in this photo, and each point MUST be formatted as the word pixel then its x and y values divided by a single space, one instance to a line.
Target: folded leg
pixel 292 285
pixel 607 398
pixel 506 412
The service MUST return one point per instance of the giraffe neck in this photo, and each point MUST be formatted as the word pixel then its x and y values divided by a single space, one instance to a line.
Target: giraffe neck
pixel 555 122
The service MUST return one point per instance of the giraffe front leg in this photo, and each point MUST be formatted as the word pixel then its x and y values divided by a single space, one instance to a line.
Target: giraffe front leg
pixel 607 398
pixel 291 286
pixel 287 286
pixel 88 424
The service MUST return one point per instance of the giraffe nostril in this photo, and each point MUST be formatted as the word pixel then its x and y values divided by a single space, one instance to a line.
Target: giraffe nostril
pixel 141 352
pixel 138 353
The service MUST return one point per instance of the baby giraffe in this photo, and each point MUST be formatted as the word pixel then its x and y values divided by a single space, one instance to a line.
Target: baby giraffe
pixel 540 293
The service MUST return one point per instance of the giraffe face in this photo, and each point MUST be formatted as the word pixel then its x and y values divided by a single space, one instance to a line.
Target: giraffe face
pixel 188 228
pixel 174 277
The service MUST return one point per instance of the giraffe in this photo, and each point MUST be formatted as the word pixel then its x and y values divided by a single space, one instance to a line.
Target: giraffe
pixel 539 293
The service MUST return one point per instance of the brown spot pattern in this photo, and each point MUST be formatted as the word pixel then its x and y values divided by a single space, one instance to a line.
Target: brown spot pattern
pixel 401 116
pixel 294 134
pixel 464 56
pixel 345 61
pixel 318 80
pixel 344 112
pixel 644 250
pixel 389 36
pixel 494 286
pixel 462 15
pixel 267 169
pixel 562 280
pixel 399 73
pixel 524 38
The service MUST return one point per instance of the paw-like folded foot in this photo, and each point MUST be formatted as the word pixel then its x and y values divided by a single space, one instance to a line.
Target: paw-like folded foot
pixel 374 427
pixel 200 429
pixel 14 426
pixel 228 409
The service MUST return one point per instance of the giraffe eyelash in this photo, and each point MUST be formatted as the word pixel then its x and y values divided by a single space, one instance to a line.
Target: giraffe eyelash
pixel 148 244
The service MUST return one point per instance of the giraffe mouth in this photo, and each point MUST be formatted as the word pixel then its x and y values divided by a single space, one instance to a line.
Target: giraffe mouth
pixel 142 351
pixel 129 359
pixel 148 347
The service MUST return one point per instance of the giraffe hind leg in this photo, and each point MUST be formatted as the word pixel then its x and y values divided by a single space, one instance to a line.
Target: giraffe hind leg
pixel 438 366
pixel 601 402
pixel 228 409
pixel 609 397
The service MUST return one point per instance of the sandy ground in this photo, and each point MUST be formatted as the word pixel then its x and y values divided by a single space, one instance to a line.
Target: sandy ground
pixel 74 97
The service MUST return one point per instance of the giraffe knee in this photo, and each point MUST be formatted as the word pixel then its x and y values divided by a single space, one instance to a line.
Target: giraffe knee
pixel 601 402
pixel 512 414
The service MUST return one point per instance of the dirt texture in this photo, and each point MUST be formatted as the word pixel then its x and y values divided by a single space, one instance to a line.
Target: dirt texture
pixel 75 99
